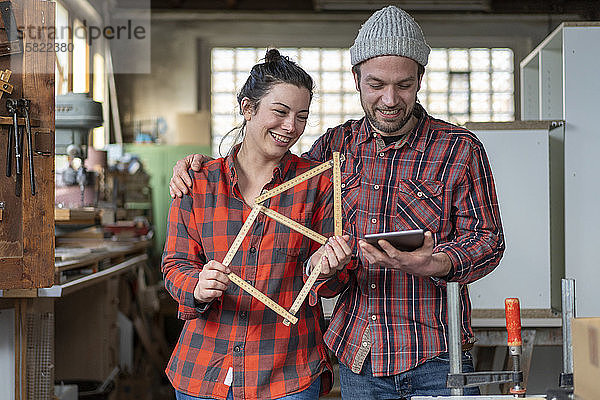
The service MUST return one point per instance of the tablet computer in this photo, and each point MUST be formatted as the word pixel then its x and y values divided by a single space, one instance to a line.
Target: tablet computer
pixel 402 240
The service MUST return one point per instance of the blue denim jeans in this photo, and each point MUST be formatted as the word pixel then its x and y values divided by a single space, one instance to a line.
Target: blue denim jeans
pixel 310 393
pixel 428 379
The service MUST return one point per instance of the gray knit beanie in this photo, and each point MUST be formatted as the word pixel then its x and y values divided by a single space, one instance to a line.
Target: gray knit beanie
pixel 390 31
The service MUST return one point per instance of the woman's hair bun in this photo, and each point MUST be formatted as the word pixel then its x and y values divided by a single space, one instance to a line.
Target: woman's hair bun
pixel 273 55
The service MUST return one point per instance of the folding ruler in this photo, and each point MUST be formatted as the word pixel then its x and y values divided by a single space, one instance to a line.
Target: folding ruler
pixel 289 316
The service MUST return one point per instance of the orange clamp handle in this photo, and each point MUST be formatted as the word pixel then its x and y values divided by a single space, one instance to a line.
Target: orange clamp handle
pixel 513 321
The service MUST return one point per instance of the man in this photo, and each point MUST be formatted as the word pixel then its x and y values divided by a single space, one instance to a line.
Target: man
pixel 403 170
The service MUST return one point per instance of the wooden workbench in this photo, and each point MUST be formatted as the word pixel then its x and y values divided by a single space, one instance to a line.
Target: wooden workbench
pixel 69 330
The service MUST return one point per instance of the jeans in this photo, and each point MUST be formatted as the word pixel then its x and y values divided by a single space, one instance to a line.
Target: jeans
pixel 427 379
pixel 310 393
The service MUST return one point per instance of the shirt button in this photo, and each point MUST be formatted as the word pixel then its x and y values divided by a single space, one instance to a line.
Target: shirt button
pixel 376 187
pixel 373 220
pixel 237 349
pixel 243 315
pixel 252 249
pixel 381 154
pixel 373 317
pixel 365 344
pixel 373 286
pixel 419 194
pixel 343 185
pixel 248 281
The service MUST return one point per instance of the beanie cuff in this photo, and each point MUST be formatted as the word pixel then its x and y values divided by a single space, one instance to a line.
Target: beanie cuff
pixel 390 46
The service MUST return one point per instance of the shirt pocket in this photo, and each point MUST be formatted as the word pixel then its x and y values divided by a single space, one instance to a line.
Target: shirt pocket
pixel 419 205
pixel 350 197
pixel 290 243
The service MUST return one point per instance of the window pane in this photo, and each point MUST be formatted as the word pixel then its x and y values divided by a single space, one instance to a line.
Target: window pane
pixel 245 59
pixel 480 59
pixel 333 102
pixel 223 82
pixel 331 60
pixel 438 60
pixel 80 58
pixel 222 59
pixel 480 102
pixel 458 85
pixel 348 84
pixel 502 103
pixel 331 82
pixel 352 104
pixel 438 82
pixel 62 57
pixel 480 82
pixel 459 82
pixel 438 103
pixel 458 60
pixel 502 60
pixel 459 103
pixel 309 59
pixel 502 82
pixel 224 103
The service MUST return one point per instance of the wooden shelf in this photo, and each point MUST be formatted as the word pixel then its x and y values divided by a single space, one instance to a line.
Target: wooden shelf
pixel 76 284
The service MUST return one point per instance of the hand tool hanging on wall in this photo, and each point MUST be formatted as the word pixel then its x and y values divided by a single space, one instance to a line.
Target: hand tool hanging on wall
pixel 9 147
pixel 15 141
pixel 8 88
pixel 15 135
pixel 24 105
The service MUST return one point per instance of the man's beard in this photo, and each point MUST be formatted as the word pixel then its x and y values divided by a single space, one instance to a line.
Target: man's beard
pixel 385 127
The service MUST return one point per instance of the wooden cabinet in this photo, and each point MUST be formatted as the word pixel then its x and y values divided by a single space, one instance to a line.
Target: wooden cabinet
pixel 27 221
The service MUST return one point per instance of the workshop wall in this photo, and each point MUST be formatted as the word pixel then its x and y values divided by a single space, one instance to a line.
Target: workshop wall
pixel 181 42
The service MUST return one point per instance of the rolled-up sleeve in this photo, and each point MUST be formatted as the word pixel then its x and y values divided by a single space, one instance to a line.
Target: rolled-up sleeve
pixel 183 258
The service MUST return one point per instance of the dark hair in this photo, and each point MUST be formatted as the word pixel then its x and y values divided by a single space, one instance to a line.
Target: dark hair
pixel 356 70
pixel 275 69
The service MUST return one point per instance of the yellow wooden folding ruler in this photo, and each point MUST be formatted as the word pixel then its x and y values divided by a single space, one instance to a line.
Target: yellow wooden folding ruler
pixel 289 316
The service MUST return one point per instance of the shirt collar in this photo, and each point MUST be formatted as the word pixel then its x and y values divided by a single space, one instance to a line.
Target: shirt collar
pixel 279 173
pixel 420 134
pixel 231 164
pixel 281 170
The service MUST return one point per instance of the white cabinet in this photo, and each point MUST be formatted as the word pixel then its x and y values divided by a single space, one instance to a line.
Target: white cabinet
pixel 526 161
pixel 560 80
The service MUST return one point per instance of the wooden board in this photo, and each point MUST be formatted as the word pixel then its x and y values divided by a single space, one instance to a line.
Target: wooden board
pixel 27 226
pixel 76 215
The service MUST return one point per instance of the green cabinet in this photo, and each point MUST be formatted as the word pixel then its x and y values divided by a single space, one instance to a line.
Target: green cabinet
pixel 158 162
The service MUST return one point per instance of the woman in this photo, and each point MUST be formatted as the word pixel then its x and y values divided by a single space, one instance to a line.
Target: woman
pixel 231 345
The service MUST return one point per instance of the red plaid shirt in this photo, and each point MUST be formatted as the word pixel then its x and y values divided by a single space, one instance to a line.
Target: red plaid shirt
pixel 436 178
pixel 268 359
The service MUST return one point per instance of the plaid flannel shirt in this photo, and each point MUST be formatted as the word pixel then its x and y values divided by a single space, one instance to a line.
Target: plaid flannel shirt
pixel 435 178
pixel 267 359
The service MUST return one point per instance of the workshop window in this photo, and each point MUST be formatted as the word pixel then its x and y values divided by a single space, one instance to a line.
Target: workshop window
pixel 459 85
pixel 80 58
pixel 475 84
pixel 62 57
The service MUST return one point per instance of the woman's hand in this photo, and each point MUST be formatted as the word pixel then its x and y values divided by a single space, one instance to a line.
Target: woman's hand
pixel 212 282
pixel 181 183
pixel 334 256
